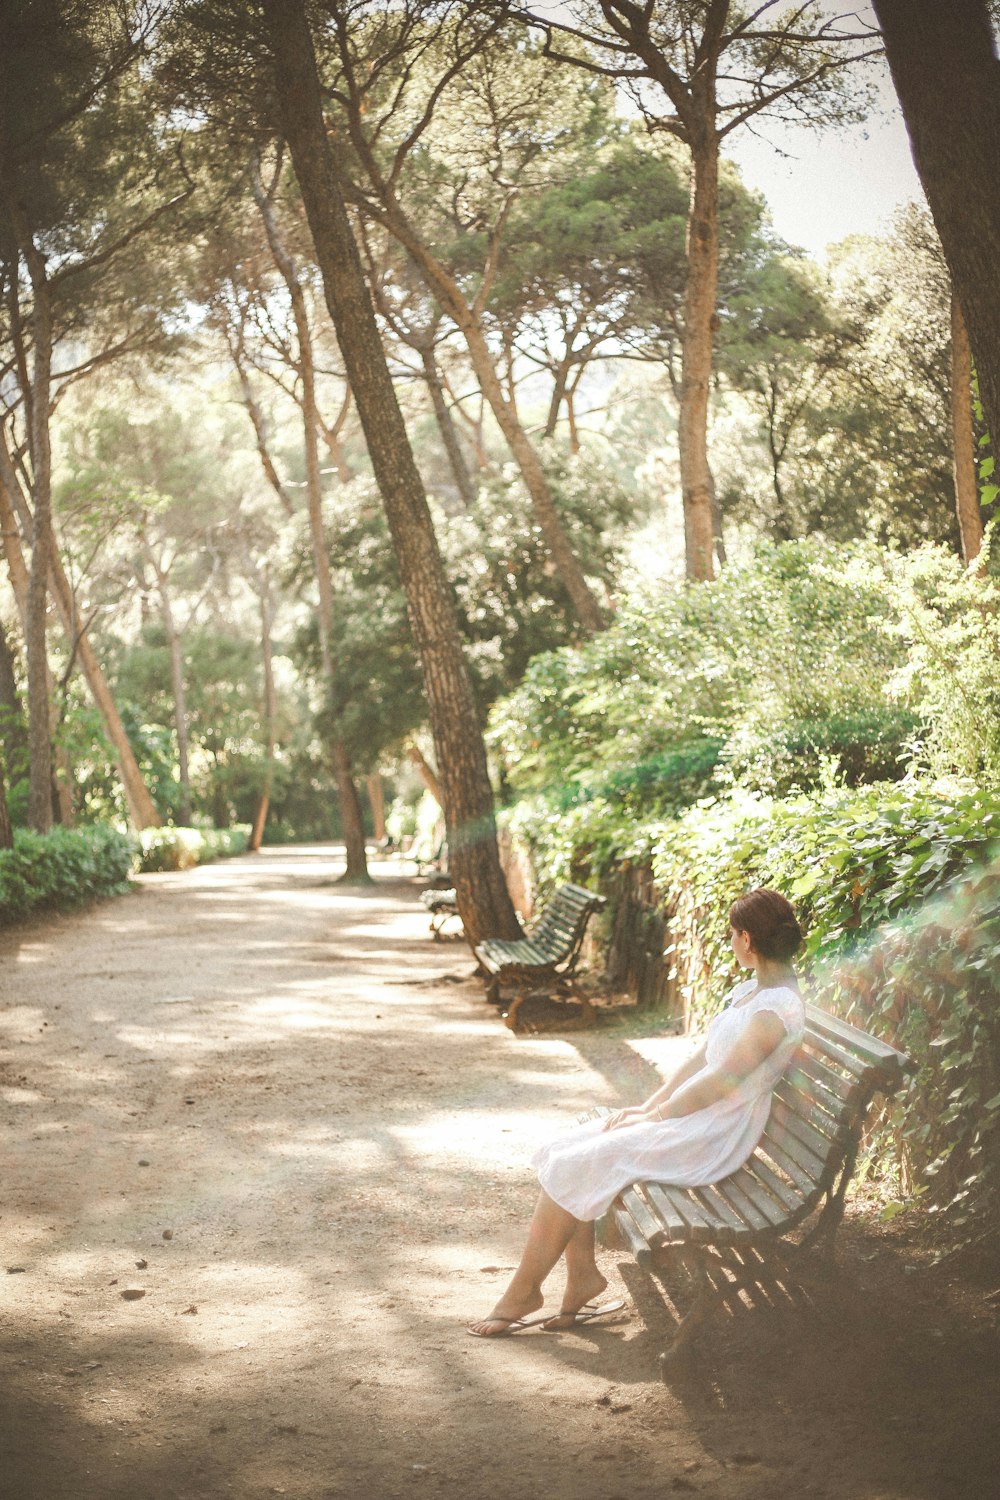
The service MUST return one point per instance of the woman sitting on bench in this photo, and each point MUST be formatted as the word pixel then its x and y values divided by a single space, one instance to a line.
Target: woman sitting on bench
pixel 694 1130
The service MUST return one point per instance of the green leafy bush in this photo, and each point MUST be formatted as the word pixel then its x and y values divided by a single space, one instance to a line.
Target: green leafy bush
pixel 182 848
pixel 63 868
pixel 787 659
pixel 898 888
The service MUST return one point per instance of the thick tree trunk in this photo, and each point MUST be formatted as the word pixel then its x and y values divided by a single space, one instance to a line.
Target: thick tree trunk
pixel 696 357
pixel 447 429
pixel 483 899
pixel 967 508
pixel 269 713
pixel 39 701
pixel 943 61
pixel 347 792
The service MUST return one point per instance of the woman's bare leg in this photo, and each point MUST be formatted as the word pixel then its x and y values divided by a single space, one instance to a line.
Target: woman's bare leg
pixel 549 1233
pixel 584 1281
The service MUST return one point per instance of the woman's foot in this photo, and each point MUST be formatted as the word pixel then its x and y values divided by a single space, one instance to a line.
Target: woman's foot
pixel 577 1295
pixel 509 1316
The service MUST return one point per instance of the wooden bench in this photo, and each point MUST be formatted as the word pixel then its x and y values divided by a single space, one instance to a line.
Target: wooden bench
pixel 550 950
pixel 726 1235
pixel 441 904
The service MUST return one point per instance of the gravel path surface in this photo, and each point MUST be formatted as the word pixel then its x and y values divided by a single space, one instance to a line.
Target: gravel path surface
pixel 266 1151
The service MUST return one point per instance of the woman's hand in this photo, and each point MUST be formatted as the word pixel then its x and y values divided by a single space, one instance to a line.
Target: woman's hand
pixel 633 1116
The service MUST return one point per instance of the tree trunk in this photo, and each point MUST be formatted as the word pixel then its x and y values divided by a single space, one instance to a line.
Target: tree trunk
pixel 39 701
pixel 352 823
pixel 466 318
pixel 269 714
pixel 347 792
pixel 177 685
pixel 588 610
pixel 140 804
pixel 447 429
pixel 376 801
pixel 556 399
pixel 696 356
pixel 425 771
pixel 483 899
pixel 967 508
pixel 943 61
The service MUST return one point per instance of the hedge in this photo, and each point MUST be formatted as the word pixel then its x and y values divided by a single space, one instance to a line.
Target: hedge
pixel 183 848
pixel 898 888
pixel 63 868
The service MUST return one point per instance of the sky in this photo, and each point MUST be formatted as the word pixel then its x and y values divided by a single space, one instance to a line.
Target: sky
pixel 821 187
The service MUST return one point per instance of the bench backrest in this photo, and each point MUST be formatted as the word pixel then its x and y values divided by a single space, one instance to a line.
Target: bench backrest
pixel 820 1102
pixel 810 1138
pixel 560 929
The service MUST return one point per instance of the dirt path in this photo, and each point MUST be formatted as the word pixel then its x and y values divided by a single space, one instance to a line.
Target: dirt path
pixel 276 1110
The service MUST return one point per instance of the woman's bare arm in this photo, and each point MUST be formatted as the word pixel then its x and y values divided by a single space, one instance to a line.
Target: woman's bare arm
pixel 695 1086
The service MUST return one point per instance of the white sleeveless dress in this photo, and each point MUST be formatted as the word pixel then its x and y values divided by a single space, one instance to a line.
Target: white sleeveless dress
pixel 585 1169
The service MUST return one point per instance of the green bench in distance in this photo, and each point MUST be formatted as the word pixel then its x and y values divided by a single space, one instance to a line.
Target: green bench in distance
pixel 551 949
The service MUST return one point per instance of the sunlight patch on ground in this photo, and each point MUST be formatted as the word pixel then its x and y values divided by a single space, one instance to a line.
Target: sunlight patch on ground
pixel 22 1096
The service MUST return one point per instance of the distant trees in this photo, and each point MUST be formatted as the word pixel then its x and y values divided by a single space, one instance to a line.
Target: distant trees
pixel 699 72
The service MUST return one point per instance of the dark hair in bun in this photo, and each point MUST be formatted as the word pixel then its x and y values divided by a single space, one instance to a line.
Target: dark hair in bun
pixel 770 921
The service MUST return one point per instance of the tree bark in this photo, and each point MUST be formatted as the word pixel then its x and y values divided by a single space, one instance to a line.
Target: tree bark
pixel 351 822
pixel 696 356
pixel 943 62
pixel 967 508
pixel 39 701
pixel 483 899
pixel 447 429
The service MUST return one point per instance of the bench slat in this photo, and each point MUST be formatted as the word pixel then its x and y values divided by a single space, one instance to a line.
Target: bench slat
pixel 785 1194
pixel 817 1072
pixel 856 1067
pixel 742 1204
pixel 804 1134
pixel 797 1164
pixel 679 1201
pixel 647 1223
pixel 720 1208
pixel 673 1221
pixel 832 1129
pixel 871 1047
pixel 632 1235
pixel 772 1213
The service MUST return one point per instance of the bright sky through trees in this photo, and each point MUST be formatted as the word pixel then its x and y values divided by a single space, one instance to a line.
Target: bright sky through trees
pixel 823 186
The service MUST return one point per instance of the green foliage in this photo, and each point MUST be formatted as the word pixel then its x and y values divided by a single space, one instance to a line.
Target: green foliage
pixel 790 639
pixel 950 618
pixel 183 848
pixel 63 868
